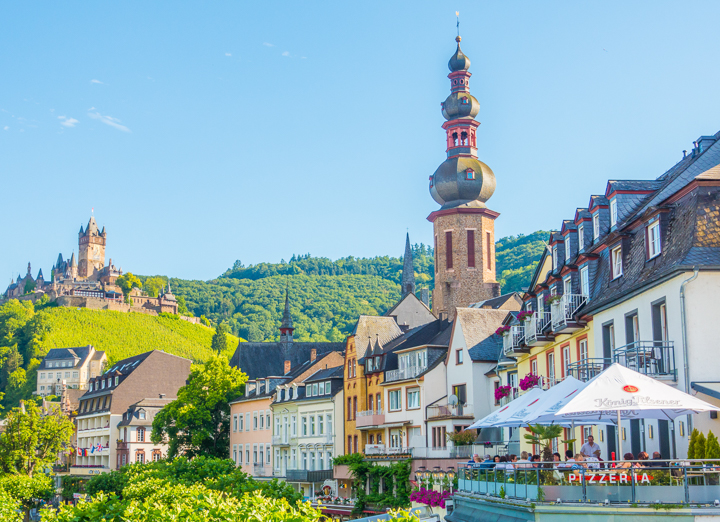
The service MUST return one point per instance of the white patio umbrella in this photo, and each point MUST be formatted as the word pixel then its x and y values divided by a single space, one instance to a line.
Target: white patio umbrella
pixel 542 411
pixel 619 392
pixel 497 417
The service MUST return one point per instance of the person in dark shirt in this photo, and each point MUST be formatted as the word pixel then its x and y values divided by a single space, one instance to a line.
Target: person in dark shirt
pixel 657 461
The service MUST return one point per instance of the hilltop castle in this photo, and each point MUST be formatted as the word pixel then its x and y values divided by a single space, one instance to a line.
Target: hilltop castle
pixel 87 281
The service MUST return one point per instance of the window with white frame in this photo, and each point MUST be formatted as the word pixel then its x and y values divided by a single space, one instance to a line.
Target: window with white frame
pixel 255 421
pixel 413 399
pixel 293 425
pixel 235 453
pixel 267 454
pixel 315 389
pixel 596 225
pixel 567 247
pixel 247 453
pixel 328 421
pixel 653 239
pixel 75 375
pixel 277 459
pixel 304 460
pixel 267 419
pixel 567 286
pixel 566 359
pixel 312 425
pixel 277 425
pixel 395 400
pixel 584 281
pixel 583 349
pixel 551 366
pixel 303 426
pixel 247 421
pixel 241 417
pixel 554 257
pixel 262 421
pixel 235 422
pixel 613 212
pixel 327 386
pixel 533 367
pixel 616 261
pixel 255 454
pixel 42 375
pixel 581 237
pixel 240 454
pixel 321 425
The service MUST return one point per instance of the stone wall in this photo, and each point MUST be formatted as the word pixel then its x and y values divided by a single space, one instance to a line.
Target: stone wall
pixel 95 303
pixel 462 285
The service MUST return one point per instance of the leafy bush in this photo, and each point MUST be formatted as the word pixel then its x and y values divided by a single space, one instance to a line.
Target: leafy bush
pixel 462 438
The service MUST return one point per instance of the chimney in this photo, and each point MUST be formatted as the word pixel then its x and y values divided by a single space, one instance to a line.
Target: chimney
pixel 287 367
pixel 249 386
pixel 162 395
pixel 425 296
pixel 313 354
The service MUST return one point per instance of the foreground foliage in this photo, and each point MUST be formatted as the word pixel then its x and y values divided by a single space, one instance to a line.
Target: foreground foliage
pixel 198 421
pixel 31 440
pixel 395 479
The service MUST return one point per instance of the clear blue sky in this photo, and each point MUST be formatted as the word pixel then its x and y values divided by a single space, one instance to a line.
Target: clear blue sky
pixel 205 132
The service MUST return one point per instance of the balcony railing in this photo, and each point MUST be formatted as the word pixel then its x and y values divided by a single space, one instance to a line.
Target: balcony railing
pixel 653 358
pixel 586 369
pixel 512 340
pixel 374 449
pixel 514 394
pixel 262 470
pixel 563 311
pixel 446 410
pixel 369 418
pixel 534 327
pixel 304 475
pixel 409 372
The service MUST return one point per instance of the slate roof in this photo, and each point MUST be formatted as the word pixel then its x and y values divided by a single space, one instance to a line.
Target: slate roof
pixel 259 360
pixel 370 326
pixel 632 185
pixel 478 328
pixel 326 373
pixel 410 312
pixel 497 302
pixel 690 231
pixel 80 352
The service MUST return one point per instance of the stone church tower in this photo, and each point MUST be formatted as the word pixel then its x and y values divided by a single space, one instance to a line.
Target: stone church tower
pixel 464 227
pixel 91 255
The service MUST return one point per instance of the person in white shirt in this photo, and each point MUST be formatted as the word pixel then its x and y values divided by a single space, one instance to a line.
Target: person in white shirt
pixel 590 449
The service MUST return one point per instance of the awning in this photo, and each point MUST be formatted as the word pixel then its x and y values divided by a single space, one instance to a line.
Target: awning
pixel 711 389
pixel 393 424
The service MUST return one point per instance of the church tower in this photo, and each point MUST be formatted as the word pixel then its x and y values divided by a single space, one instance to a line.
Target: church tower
pixel 408 275
pixel 91 255
pixel 286 327
pixel 464 227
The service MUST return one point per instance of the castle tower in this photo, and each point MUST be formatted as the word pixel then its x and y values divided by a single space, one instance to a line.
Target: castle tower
pixel 91 254
pixel 286 327
pixel 464 227
pixel 408 275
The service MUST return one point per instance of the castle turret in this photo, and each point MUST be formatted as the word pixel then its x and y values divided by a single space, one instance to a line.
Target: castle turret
pixel 464 226
pixel 91 253
pixel 408 275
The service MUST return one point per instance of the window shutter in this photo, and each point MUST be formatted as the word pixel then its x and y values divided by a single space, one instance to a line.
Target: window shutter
pixel 471 248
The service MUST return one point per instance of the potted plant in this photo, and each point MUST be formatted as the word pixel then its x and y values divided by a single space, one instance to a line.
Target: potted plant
pixel 502 330
pixel 502 391
pixel 529 381
pixel 524 315
pixel 551 300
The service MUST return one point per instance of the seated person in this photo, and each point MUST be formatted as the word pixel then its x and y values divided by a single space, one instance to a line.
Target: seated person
pixel 626 463
pixel 644 457
pixel 557 460
pixel 487 463
pixel 592 462
pixel 579 462
pixel 502 462
pixel 569 460
pixel 524 461
pixel 657 461
pixel 512 460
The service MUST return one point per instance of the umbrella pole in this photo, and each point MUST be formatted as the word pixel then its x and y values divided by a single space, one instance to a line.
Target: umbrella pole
pixel 619 437
pixel 572 436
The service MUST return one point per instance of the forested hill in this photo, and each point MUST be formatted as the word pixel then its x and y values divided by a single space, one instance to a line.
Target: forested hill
pixel 328 296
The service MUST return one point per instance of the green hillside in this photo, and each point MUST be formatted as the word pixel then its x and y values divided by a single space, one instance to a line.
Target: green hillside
pixel 28 332
pixel 327 296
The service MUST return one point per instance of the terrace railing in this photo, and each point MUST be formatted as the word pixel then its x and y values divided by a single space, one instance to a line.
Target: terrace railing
pixel 670 482
pixel 409 372
pixel 535 325
pixel 653 358
pixel 586 369
pixel 512 340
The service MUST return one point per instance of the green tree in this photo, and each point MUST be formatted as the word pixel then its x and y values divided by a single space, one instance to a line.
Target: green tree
pixel 712 447
pixel 219 340
pixel 182 307
pixel 692 443
pixel 17 379
pixel 152 285
pixel 700 446
pixel 32 441
pixel 29 286
pixel 543 436
pixel 198 421
pixel 27 489
pixel 127 282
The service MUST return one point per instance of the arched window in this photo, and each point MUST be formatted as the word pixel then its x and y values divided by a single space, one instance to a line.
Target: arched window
pixel 455 138
pixel 464 138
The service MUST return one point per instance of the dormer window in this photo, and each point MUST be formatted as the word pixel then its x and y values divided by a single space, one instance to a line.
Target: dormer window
pixel 653 239
pixel 596 225
pixel 613 212
pixel 554 257
pixel 567 247
pixel 469 174
pixel 616 262
pixel 581 238
pixel 141 415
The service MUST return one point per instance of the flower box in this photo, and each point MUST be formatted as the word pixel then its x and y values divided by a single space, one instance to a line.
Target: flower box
pixel 529 381
pixel 502 330
pixel 502 391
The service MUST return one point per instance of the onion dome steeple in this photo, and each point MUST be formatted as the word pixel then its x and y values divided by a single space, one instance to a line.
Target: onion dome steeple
pixel 462 181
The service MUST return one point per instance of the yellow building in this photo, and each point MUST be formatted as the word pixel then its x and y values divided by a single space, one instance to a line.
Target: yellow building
pixel 552 338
